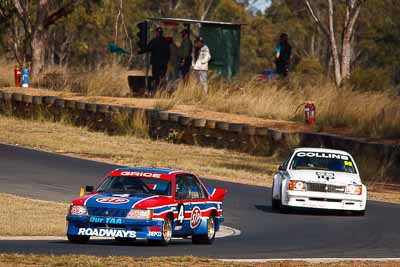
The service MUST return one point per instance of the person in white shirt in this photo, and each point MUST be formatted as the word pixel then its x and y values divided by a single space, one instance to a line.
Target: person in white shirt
pixel 200 64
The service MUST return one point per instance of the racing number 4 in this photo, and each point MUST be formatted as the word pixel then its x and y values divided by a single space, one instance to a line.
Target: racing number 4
pixel 181 214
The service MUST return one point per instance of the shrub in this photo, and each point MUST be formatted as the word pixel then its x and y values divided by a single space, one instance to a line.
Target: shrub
pixel 370 79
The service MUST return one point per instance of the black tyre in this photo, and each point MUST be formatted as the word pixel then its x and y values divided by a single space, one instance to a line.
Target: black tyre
pixel 358 213
pixel 125 240
pixel 283 208
pixel 166 234
pixel 208 238
pixel 275 203
pixel 78 239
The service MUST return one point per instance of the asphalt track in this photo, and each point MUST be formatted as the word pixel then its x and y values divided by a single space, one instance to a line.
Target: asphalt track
pixel 265 234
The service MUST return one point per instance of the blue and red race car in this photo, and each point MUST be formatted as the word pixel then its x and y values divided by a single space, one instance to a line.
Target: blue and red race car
pixel 147 203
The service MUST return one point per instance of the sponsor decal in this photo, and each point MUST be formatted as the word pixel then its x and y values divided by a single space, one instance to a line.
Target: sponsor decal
pixel 195 219
pixel 141 174
pixel 105 220
pixel 112 200
pixel 106 232
pixel 154 234
pixel 348 163
pixel 178 227
pixel 322 155
pixel 154 231
pixel 325 175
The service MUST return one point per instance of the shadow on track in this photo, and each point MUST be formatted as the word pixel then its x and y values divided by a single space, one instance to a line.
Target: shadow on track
pixel 309 212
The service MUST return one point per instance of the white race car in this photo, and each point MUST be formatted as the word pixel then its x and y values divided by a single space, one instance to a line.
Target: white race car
pixel 319 178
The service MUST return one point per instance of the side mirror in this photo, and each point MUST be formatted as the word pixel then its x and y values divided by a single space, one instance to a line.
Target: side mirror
pixel 89 189
pixel 281 168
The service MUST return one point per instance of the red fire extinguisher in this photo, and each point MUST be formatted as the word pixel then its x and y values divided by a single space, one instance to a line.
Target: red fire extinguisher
pixel 17 75
pixel 309 113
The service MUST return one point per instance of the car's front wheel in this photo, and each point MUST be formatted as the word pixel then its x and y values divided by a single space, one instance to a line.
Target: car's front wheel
pixel 358 213
pixel 210 236
pixel 123 240
pixel 78 239
pixel 166 234
pixel 275 203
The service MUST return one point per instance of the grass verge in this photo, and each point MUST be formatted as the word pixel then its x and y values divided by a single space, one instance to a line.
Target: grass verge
pixel 132 151
pixel 28 217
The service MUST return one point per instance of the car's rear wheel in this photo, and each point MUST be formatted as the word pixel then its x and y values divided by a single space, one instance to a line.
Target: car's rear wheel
pixel 166 234
pixel 78 239
pixel 210 236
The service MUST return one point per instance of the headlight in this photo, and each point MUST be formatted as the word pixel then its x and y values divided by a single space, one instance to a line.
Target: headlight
pixel 296 185
pixel 78 210
pixel 353 189
pixel 141 214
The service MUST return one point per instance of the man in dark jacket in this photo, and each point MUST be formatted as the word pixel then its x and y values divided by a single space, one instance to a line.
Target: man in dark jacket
pixel 283 52
pixel 160 53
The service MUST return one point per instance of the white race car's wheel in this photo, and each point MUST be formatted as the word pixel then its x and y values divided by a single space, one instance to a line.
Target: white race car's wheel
pixel 275 203
pixel 283 208
pixel 358 213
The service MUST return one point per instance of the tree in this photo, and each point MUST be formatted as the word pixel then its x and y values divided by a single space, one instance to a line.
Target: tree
pixel 341 57
pixel 35 18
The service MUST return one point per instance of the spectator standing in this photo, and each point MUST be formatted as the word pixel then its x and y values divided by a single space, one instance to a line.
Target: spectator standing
pixel 283 52
pixel 160 54
pixel 173 63
pixel 185 55
pixel 200 64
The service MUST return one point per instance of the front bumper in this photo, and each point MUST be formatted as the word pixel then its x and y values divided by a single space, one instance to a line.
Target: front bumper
pixel 321 200
pixel 114 227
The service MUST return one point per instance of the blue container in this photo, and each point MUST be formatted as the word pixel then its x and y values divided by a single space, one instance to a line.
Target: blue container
pixel 25 78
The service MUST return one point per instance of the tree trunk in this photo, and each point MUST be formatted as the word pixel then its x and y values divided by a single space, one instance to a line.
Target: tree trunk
pixel 333 47
pixel 38 51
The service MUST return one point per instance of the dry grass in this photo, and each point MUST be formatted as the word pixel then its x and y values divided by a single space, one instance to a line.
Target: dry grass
pixel 108 81
pixel 359 113
pixel 132 151
pixel 369 114
pixel 20 260
pixel 23 216
pixel 133 124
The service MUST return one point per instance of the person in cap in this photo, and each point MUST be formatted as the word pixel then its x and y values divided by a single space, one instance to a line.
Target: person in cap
pixel 160 53
pixel 185 54
pixel 283 52
pixel 200 63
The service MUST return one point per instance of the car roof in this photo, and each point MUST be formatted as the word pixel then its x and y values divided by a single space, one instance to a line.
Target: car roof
pixel 146 169
pixel 318 149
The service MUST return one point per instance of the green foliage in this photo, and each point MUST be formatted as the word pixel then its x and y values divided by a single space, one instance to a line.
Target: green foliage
pixel 370 79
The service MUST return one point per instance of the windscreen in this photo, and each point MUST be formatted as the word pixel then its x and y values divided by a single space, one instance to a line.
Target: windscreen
pixel 135 185
pixel 322 161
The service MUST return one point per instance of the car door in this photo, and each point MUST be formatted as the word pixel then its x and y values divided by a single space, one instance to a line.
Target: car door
pixel 184 204
pixel 191 198
pixel 198 200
